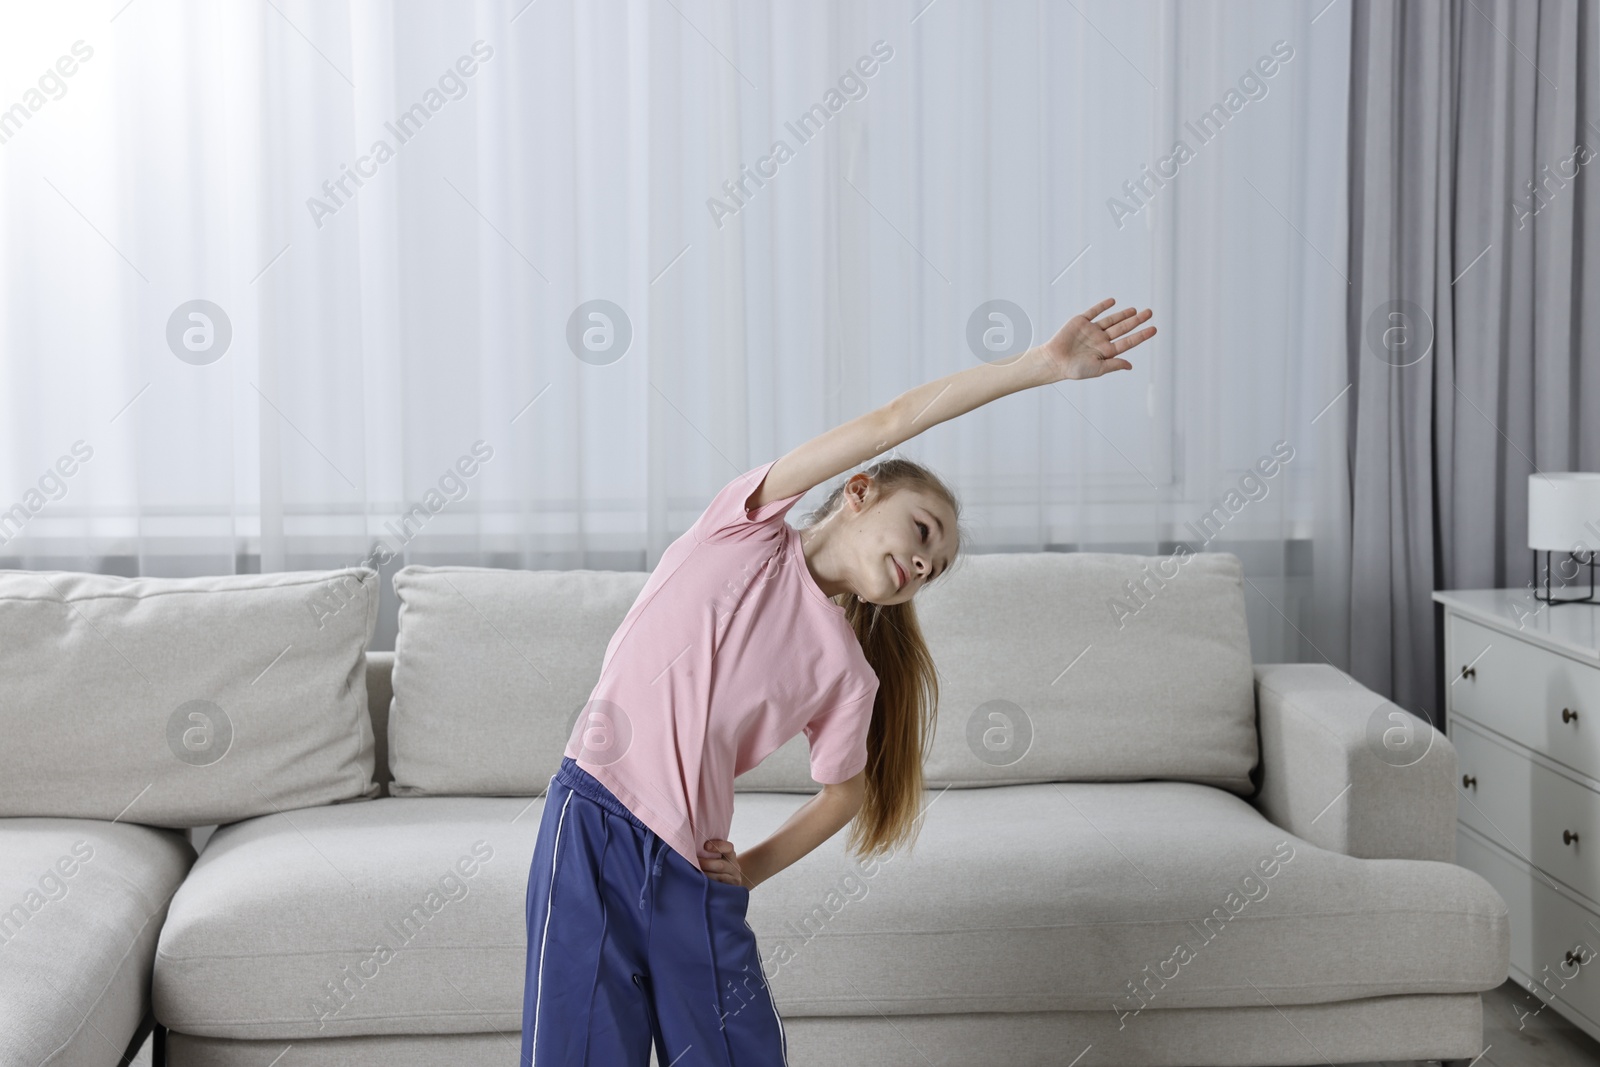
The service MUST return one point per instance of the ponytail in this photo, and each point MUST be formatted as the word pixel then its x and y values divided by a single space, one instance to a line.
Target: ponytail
pixel 905 710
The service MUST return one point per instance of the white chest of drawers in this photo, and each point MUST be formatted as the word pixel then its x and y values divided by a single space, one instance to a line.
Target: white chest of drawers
pixel 1522 685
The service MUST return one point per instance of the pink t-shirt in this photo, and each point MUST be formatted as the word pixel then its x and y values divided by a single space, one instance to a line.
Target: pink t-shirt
pixel 730 649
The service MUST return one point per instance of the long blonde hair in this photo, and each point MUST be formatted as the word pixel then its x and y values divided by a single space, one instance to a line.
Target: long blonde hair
pixel 903 715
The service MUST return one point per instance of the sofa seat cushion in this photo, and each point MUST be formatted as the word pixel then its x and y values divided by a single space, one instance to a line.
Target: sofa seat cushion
pixel 81 905
pixel 406 915
pixel 1127 896
pixel 402 915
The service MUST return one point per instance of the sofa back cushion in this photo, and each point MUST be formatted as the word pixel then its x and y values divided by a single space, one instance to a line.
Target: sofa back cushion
pixel 1092 666
pixel 491 668
pixel 181 702
pixel 1044 677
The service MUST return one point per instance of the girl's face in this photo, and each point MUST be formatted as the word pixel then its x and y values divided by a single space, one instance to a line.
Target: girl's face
pixel 902 541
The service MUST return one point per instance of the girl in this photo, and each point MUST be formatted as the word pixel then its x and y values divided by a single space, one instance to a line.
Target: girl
pixel 747 632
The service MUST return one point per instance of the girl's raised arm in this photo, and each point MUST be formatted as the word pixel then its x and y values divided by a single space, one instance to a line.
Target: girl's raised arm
pixel 1083 348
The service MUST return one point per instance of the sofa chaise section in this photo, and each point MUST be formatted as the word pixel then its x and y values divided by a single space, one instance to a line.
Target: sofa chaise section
pixel 81 906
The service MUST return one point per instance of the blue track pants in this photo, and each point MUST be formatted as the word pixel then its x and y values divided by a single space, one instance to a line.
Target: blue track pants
pixel 629 942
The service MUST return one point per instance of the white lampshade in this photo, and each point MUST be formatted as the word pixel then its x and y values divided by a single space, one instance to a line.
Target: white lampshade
pixel 1564 511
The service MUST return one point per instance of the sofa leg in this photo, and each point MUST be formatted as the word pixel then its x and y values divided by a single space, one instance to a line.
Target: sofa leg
pixel 136 1042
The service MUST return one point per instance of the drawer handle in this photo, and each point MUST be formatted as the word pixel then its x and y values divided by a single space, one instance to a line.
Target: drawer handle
pixel 1469 779
pixel 1568 715
pixel 1469 672
pixel 1568 837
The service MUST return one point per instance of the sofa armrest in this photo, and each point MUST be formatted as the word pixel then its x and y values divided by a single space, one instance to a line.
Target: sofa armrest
pixel 1324 775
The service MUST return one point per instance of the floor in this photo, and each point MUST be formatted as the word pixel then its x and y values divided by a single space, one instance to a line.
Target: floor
pixel 1516 1033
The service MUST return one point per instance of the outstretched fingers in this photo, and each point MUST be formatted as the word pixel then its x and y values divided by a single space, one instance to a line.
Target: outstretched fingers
pixel 1134 340
pixel 1116 327
pixel 1119 324
pixel 1111 320
pixel 1094 312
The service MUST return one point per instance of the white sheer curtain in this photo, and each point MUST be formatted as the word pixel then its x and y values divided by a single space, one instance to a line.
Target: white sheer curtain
pixel 379 336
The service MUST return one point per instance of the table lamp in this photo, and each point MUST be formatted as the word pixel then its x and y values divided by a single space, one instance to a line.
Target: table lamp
pixel 1563 516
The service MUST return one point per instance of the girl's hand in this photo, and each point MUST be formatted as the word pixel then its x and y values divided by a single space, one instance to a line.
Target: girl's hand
pixel 724 865
pixel 1084 348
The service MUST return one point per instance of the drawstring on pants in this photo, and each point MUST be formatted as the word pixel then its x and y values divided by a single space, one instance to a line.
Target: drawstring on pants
pixel 652 864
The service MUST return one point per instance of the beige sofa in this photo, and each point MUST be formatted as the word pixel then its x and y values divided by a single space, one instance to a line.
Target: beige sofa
pixel 1138 846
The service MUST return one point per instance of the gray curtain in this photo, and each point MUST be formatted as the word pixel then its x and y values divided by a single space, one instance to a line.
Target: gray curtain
pixel 1470 356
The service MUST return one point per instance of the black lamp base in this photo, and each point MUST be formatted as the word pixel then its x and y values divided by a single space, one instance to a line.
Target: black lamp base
pixel 1547 598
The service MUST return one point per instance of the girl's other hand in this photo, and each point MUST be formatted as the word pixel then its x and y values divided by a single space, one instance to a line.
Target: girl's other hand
pixel 723 865
pixel 1086 348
